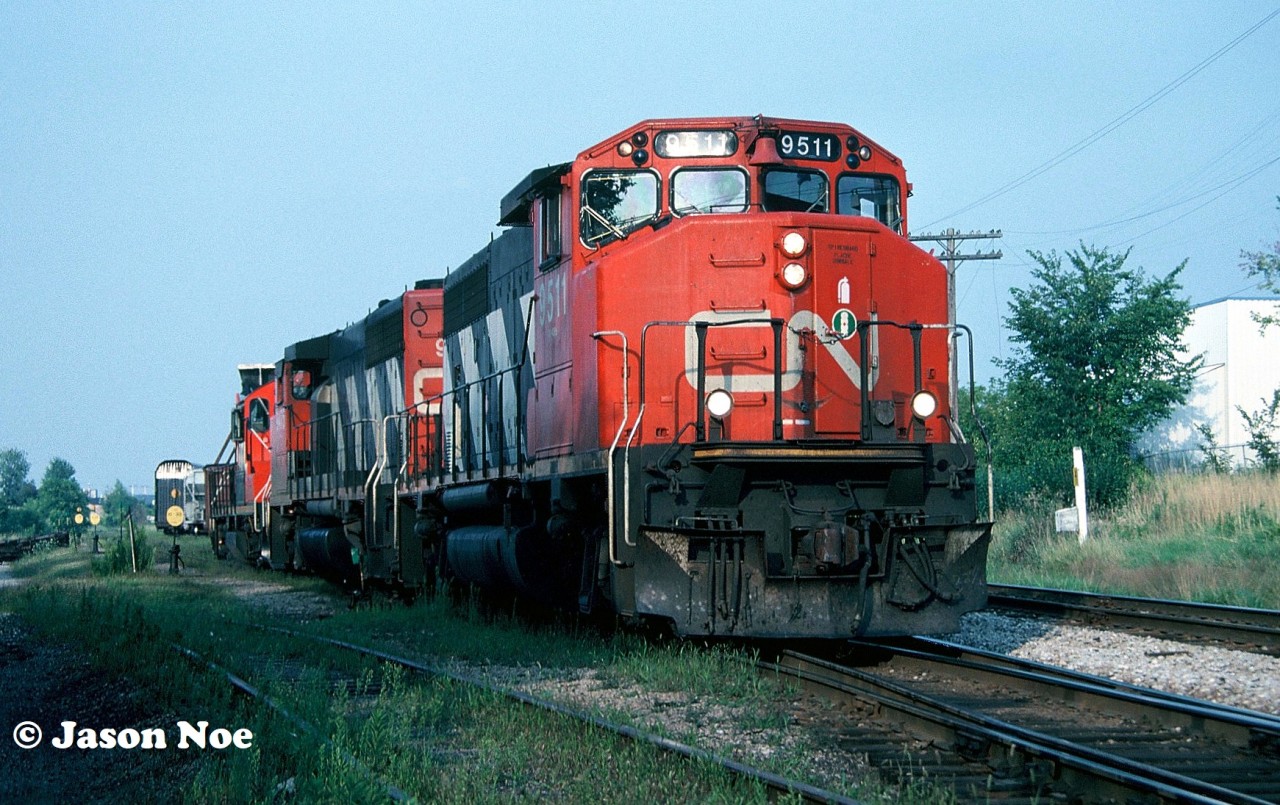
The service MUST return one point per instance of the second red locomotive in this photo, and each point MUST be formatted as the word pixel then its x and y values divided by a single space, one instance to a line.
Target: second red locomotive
pixel 701 377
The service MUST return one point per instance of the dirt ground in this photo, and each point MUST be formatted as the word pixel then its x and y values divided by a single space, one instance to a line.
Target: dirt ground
pixel 48 684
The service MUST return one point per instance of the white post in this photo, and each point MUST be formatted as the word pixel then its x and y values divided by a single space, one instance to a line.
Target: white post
pixel 1077 477
pixel 991 493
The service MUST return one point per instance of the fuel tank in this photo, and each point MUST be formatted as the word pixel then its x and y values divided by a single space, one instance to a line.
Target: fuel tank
pixel 523 560
pixel 327 552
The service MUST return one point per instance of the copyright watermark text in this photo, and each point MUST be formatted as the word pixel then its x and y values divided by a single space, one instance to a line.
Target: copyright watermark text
pixel 28 735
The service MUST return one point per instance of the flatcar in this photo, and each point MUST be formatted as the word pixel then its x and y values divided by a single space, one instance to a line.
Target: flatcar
pixel 180 504
pixel 702 378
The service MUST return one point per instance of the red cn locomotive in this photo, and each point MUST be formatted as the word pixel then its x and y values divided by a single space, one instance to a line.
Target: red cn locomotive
pixel 236 501
pixel 701 377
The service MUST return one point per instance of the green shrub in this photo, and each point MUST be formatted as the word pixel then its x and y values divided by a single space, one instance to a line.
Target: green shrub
pixel 119 557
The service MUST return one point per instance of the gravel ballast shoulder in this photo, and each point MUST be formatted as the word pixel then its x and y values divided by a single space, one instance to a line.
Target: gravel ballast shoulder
pixel 1235 678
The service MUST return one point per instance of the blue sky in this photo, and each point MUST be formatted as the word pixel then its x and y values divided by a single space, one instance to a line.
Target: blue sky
pixel 185 187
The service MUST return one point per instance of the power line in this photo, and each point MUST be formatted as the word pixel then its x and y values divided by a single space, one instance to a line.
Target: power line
pixel 1234 183
pixel 1231 183
pixel 1113 125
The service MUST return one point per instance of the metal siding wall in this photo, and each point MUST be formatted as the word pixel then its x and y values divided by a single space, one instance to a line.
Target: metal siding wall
pixel 485 315
pixel 1239 370
pixel 347 371
pixel 1253 373
pixel 384 333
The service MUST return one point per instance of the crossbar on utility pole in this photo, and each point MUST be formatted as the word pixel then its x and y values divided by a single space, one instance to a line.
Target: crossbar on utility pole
pixel 950 241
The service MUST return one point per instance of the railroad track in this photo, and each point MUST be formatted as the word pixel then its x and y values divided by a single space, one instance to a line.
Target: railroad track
pixel 776 784
pixel 244 687
pixel 1005 730
pixel 989 727
pixel 1233 627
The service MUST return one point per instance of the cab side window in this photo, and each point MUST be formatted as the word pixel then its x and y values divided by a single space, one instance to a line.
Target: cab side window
pixel 549 246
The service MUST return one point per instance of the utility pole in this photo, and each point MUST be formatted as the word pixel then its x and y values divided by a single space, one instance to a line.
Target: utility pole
pixel 950 241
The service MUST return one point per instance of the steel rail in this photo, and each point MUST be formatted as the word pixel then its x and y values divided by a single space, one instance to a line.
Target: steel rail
pixel 775 783
pixel 955 650
pixel 1184 746
pixel 252 692
pixel 1052 764
pixel 1239 627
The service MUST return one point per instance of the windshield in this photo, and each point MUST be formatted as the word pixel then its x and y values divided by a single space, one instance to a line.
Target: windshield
pixel 870 196
pixel 795 191
pixel 615 203
pixel 702 191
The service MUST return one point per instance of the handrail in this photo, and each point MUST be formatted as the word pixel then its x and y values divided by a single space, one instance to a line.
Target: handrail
pixel 261 522
pixel 371 482
pixel 626 479
pixel 982 428
pixel 505 452
pixel 223 449
pixel 700 381
pixel 626 413
pixel 459 392
pixel 775 323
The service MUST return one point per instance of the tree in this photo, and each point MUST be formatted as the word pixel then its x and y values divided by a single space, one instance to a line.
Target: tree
pixel 1265 265
pixel 60 495
pixel 13 477
pixel 120 504
pixel 1261 425
pixel 1216 459
pixel 1097 362
pixel 16 493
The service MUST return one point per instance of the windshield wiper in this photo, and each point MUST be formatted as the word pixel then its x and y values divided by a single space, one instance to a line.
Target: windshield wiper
pixel 605 222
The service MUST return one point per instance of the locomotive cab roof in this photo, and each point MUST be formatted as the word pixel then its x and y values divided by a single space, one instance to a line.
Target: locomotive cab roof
pixel 514 209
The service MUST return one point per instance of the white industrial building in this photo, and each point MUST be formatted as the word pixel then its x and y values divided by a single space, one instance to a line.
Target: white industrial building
pixel 1241 370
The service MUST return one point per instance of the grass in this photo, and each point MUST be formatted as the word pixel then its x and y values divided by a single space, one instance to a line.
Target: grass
pixel 1213 538
pixel 439 740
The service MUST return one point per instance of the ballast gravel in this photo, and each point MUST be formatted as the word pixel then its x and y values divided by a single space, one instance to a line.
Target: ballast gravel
pixel 1226 676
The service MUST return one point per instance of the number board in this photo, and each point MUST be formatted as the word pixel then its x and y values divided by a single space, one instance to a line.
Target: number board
pixel 677 144
pixel 808 145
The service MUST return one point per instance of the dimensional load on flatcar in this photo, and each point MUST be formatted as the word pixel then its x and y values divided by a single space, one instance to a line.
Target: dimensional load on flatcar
pixel 702 377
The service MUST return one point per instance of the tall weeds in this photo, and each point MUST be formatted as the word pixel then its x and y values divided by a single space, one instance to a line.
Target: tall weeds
pixel 1203 537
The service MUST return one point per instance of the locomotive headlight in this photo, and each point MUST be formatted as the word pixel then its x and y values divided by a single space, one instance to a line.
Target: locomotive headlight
pixel 793 275
pixel 625 148
pixel 794 244
pixel 924 404
pixel 719 403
